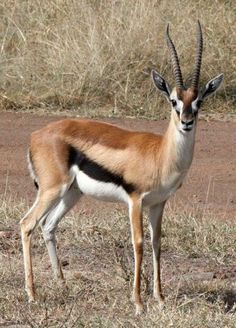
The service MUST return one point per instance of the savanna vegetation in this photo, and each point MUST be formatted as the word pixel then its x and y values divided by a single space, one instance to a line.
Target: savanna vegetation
pixel 198 269
pixel 95 56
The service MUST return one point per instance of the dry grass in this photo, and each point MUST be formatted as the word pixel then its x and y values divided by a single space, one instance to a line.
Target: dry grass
pixel 198 264
pixel 95 57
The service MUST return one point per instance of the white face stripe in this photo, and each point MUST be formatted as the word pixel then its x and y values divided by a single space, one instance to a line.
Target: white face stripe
pixel 179 103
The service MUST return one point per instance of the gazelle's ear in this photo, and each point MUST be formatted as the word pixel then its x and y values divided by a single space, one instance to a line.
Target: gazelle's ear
pixel 161 84
pixel 211 86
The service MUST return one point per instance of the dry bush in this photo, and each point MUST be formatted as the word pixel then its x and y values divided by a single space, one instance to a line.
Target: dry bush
pixel 90 54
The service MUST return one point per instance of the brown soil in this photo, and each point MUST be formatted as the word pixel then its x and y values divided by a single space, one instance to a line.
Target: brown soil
pixel 210 186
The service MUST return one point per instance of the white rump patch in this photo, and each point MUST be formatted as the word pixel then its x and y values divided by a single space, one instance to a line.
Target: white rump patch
pixel 30 167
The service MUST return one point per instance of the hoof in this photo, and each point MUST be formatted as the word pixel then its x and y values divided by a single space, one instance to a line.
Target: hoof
pixel 31 299
pixel 160 300
pixel 139 309
pixel 31 295
pixel 161 304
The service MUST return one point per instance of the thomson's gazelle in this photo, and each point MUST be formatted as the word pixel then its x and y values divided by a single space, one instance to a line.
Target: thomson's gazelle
pixel 73 157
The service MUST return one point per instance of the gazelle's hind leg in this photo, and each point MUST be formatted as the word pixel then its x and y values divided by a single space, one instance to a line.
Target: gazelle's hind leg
pixel 42 205
pixel 47 203
pixel 50 221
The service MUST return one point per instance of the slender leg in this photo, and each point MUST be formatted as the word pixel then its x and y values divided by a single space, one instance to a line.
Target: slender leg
pixel 135 211
pixel 28 224
pixel 49 225
pixel 156 213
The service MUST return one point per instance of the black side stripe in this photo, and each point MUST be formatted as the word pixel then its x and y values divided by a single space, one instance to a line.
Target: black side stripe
pixel 96 171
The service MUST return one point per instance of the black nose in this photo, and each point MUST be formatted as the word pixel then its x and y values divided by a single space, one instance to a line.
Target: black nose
pixel 187 123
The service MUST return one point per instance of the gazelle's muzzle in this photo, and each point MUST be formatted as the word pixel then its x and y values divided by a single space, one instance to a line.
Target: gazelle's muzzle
pixel 187 125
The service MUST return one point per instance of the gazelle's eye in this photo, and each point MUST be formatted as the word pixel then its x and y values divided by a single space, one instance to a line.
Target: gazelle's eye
pixel 174 103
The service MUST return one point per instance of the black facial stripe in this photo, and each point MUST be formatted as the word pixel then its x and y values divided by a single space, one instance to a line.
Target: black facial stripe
pixel 174 102
pixel 96 171
pixel 199 102
pixel 177 112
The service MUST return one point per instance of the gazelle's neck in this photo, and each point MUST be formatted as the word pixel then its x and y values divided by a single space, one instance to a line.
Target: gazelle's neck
pixel 178 147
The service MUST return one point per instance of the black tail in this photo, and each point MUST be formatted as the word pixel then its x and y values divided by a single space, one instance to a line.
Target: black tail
pixel 32 170
pixel 36 184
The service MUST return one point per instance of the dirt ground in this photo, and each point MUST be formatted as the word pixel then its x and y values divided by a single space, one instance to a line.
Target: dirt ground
pixel 198 264
pixel 210 186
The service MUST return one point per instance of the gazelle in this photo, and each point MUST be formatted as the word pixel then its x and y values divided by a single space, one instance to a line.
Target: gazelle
pixel 72 157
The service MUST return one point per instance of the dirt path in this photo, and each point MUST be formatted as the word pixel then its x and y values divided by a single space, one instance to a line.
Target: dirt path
pixel 209 187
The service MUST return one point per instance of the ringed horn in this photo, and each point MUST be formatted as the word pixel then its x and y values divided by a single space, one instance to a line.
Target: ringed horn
pixel 175 59
pixel 198 60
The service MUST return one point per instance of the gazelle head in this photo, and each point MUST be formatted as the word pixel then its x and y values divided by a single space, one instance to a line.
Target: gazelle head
pixel 186 102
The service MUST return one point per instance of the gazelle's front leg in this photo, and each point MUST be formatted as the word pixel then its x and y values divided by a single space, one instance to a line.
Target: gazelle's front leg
pixel 135 213
pixel 156 213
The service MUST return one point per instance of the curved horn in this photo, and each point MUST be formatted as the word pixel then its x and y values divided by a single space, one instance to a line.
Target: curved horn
pixel 175 60
pixel 198 59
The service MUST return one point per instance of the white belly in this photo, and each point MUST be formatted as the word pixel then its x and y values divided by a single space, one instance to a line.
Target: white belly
pixel 111 192
pixel 106 191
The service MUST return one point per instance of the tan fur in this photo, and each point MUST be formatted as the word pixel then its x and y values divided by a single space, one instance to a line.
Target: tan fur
pixel 136 222
pixel 111 149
